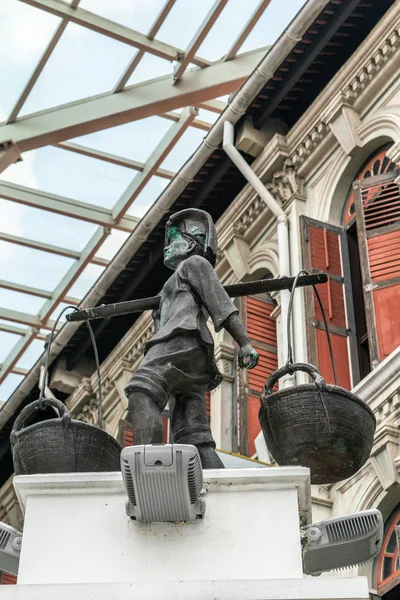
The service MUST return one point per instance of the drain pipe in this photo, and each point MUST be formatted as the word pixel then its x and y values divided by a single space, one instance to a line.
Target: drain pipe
pixel 283 230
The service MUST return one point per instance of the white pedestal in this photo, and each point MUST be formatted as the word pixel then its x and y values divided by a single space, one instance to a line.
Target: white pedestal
pixel 78 541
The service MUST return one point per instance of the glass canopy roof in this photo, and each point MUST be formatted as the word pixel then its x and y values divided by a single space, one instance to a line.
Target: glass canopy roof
pixel 102 99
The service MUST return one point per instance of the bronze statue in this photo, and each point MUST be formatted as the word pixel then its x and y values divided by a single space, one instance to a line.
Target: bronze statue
pixel 179 366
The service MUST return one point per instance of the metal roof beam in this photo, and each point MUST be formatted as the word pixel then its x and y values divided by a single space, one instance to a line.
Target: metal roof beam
pixel 111 29
pixel 35 245
pixel 153 164
pixel 151 35
pixel 73 272
pixel 136 102
pixel 199 38
pixel 243 35
pixel 6 328
pixel 16 316
pixel 17 370
pixel 65 206
pixel 9 154
pixel 16 352
pixel 112 158
pixel 39 67
pixel 32 291
pixel 216 106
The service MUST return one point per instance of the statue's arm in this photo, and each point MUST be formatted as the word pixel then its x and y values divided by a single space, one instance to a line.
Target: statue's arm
pixel 205 284
pixel 248 357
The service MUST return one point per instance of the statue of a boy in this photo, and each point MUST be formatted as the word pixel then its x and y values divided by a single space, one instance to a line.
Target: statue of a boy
pixel 179 364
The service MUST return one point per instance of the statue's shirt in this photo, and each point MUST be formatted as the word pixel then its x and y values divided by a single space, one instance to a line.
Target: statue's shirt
pixel 191 294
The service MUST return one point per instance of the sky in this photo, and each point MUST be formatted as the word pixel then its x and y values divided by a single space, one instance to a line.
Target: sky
pixel 85 63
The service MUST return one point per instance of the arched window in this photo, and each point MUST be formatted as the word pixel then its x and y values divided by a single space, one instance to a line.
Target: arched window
pixel 377 164
pixel 387 566
pixel 362 261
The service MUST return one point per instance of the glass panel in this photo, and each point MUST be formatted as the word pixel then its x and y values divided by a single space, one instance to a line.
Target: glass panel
pixel 150 67
pixel 112 244
pixel 272 24
pixel 148 196
pixel 77 177
pixel 83 63
pixel 41 225
pixel 30 356
pixel 392 543
pixel 183 21
pixel 137 15
pixel 8 386
pixel 184 148
pixel 208 116
pixel 226 29
pixel 29 267
pixel 85 281
pixel 387 567
pixel 22 302
pixel 7 342
pixel 135 140
pixel 24 32
pixel 57 312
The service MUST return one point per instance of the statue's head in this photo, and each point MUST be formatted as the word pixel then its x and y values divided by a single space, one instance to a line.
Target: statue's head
pixel 189 232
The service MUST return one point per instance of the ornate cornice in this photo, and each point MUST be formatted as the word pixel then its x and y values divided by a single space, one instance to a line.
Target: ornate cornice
pixel 286 183
pixel 350 89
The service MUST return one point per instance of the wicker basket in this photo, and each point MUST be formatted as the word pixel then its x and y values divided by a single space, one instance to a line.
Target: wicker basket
pixel 320 426
pixel 60 445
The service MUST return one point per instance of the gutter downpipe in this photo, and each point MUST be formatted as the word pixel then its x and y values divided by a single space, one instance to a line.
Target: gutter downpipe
pixel 283 229
pixel 237 107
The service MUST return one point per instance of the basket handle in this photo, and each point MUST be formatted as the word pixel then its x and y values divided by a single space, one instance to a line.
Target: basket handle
pixel 31 409
pixel 289 369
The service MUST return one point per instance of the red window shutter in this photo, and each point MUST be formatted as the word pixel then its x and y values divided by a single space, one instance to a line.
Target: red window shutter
pixel 377 206
pixel 128 437
pixel 208 405
pixel 166 429
pixel 324 250
pixel 261 328
pixel 7 579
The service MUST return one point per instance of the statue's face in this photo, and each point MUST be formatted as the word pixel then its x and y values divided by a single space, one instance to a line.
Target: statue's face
pixel 178 249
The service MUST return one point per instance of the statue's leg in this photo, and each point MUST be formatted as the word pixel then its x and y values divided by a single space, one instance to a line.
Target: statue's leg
pixel 148 427
pixel 190 425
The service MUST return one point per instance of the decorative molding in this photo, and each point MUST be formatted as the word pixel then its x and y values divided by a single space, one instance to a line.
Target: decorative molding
pixel 309 143
pixel 349 92
pixel 286 183
pixel 372 66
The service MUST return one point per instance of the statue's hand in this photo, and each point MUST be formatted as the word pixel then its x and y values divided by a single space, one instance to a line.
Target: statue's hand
pixel 156 318
pixel 248 357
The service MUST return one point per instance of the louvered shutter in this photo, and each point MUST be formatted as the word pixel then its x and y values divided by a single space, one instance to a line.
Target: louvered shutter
pixel 261 329
pixel 325 249
pixel 208 405
pixel 7 579
pixel 377 207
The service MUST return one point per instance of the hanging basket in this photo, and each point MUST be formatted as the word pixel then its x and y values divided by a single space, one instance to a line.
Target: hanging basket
pixel 320 426
pixel 60 445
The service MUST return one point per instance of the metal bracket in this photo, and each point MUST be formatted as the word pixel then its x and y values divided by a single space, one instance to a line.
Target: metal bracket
pixel 370 287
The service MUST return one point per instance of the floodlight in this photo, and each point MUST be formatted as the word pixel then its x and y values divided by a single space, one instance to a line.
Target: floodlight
pixel 163 482
pixel 10 548
pixel 342 542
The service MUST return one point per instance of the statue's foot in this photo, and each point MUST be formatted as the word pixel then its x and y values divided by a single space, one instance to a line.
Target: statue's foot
pixel 209 458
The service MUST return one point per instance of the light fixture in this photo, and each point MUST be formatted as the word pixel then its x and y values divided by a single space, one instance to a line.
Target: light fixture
pixel 10 548
pixel 163 482
pixel 342 542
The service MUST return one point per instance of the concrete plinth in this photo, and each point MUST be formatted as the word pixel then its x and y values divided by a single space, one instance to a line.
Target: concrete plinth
pixel 78 541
